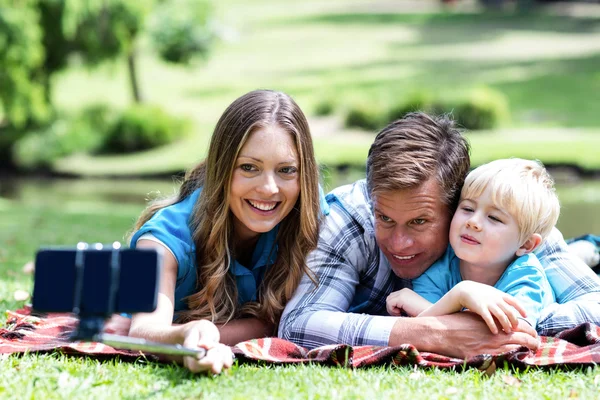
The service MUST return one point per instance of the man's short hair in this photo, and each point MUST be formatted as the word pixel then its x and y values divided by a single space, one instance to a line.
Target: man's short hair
pixel 521 187
pixel 411 150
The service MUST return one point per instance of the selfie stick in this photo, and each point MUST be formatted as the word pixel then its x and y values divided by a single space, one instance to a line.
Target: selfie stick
pixel 91 325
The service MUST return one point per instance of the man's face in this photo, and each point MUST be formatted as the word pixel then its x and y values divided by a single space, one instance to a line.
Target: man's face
pixel 411 227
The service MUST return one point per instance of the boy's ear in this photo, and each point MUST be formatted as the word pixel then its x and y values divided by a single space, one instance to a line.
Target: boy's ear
pixel 530 244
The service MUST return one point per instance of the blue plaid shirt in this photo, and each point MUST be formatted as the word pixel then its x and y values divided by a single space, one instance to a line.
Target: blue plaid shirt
pixel 354 279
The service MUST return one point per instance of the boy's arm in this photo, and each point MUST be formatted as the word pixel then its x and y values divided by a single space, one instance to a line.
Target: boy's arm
pixel 406 300
pixel 487 301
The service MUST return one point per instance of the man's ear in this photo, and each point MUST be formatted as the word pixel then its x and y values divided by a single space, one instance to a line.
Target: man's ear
pixel 530 244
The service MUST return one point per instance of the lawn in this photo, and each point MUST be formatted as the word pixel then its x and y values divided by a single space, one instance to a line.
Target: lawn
pixel 25 226
pixel 340 51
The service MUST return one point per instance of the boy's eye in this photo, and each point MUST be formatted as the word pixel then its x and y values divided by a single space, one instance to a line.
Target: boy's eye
pixel 494 218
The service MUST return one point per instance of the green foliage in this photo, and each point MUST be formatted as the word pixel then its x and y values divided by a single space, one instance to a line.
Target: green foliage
pixel 484 108
pixel 21 59
pixel 417 101
pixel 364 115
pixel 143 127
pixel 101 30
pixel 182 30
pixel 324 107
pixel 481 108
pixel 83 134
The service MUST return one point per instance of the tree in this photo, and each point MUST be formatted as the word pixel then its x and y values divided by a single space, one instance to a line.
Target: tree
pixel 37 38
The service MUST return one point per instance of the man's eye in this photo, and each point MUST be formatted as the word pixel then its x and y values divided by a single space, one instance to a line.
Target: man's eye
pixel 418 221
pixel 385 219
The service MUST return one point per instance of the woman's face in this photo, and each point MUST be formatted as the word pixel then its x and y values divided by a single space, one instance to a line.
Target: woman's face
pixel 265 183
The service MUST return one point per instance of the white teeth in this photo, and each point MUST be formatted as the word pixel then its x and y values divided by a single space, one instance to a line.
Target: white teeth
pixel 404 258
pixel 262 206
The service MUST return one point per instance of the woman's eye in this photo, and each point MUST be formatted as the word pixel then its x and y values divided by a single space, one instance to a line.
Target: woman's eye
pixel 289 170
pixel 247 167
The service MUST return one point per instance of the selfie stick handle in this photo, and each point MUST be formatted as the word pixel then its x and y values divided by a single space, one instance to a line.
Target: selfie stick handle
pixel 130 343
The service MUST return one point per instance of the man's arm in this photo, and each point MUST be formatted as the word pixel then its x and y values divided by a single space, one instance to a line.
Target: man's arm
pixel 460 335
pixel 344 267
pixel 575 286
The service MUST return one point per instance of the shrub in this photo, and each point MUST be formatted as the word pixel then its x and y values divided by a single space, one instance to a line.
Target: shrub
pixel 143 127
pixel 483 108
pixel 419 101
pixel 364 116
pixel 324 107
pixel 39 149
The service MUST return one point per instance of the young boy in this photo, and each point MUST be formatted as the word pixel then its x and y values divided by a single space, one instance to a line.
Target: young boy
pixel 506 209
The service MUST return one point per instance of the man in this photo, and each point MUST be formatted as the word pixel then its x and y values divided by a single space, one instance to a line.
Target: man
pixel 383 232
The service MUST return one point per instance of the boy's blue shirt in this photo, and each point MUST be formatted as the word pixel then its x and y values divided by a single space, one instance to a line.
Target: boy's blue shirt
pixel 524 279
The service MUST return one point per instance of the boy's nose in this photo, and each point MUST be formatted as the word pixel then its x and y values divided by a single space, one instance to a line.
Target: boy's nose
pixel 473 224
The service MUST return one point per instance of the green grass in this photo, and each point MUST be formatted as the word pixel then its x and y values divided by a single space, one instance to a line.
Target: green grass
pixel 546 65
pixel 71 213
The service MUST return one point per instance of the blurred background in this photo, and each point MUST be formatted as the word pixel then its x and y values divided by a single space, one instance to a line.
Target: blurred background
pixel 105 101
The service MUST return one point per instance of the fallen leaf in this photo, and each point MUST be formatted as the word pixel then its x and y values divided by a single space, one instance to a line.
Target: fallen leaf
pixel 29 268
pixel 415 376
pixel 511 380
pixel 451 390
pixel 491 369
pixel 21 295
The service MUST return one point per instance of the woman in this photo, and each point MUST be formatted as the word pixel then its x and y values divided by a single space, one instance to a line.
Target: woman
pixel 235 238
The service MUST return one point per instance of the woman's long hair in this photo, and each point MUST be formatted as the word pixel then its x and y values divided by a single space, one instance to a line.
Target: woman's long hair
pixel 212 220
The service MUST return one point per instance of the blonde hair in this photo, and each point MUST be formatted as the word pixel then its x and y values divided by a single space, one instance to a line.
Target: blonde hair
pixel 212 222
pixel 521 187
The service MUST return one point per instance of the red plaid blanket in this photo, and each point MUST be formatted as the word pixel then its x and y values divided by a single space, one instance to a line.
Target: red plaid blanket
pixel 575 347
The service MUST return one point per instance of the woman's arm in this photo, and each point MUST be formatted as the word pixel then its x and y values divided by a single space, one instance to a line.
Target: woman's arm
pixel 239 330
pixel 157 326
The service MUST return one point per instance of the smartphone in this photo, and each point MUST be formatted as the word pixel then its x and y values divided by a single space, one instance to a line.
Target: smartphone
pixel 96 281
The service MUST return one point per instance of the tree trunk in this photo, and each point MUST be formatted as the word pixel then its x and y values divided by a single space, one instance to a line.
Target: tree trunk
pixel 132 68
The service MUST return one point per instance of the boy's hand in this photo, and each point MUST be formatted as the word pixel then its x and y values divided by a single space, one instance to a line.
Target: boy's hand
pixel 490 303
pixel 405 300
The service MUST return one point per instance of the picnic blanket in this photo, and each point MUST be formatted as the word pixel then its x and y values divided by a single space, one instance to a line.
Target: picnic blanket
pixel 576 347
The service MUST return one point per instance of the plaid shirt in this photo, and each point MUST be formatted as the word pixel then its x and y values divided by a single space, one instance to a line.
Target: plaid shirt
pixel 354 279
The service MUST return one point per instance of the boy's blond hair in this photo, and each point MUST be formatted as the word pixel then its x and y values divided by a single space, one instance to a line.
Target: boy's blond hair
pixel 521 187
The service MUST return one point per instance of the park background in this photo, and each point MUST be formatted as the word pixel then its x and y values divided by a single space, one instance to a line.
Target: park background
pixel 104 103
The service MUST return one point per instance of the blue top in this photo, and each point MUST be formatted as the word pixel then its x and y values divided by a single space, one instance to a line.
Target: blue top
pixel 524 279
pixel 171 226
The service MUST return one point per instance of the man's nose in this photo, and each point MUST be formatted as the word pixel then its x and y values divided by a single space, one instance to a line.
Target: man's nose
pixel 401 240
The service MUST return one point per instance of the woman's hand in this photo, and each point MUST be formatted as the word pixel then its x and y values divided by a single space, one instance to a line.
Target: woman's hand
pixel 204 334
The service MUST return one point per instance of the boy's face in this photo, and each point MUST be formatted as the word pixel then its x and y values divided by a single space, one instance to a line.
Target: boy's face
pixel 483 234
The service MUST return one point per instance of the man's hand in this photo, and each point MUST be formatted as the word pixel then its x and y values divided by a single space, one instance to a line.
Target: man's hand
pixel 461 335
